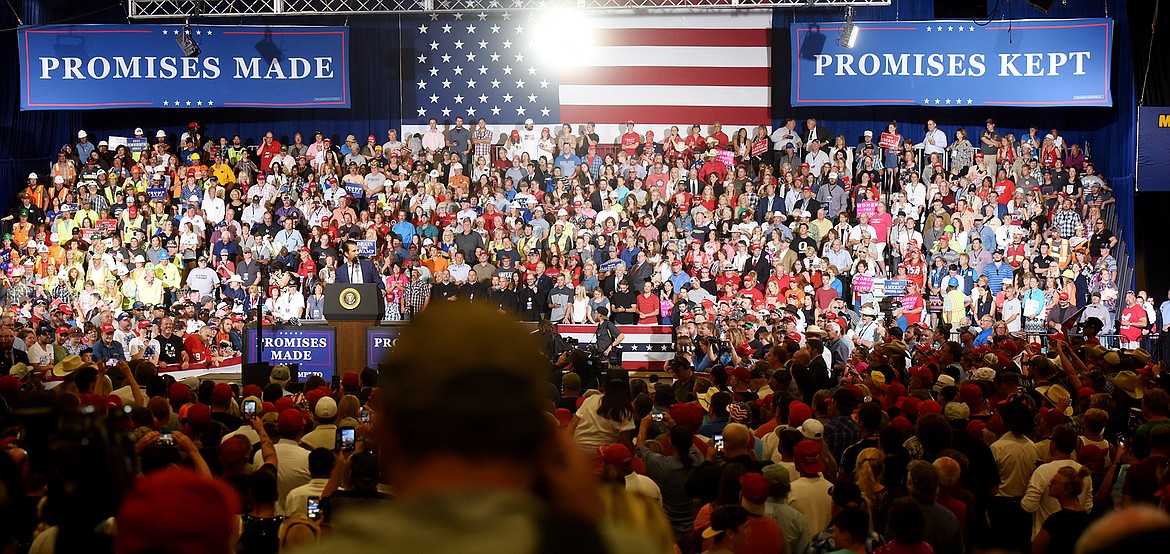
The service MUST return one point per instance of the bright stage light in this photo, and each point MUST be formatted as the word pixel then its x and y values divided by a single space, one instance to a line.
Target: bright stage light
pixel 565 36
pixel 849 31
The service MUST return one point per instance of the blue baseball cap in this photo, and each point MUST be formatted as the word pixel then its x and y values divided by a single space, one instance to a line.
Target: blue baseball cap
pixel 954 281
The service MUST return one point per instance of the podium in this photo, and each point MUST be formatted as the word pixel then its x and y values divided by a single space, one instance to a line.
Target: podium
pixel 350 309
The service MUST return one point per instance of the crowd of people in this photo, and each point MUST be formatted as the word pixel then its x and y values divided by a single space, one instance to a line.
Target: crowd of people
pixel 897 348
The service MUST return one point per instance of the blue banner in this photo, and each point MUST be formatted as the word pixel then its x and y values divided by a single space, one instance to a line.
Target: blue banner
pixel 1153 143
pixel 379 341
pixel 1030 63
pixel 367 248
pixel 91 67
pixel 156 193
pixel 311 349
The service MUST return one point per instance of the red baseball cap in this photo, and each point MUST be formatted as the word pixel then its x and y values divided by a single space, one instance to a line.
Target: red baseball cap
pixel 63 330
pixel 178 510
pixel 107 328
pixel 290 422
pixel 617 455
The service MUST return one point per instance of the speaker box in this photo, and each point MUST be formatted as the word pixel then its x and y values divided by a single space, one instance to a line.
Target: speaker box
pixel 255 374
pixel 962 9
pixel 258 373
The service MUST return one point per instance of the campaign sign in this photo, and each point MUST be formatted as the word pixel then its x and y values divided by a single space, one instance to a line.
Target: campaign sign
pixel 379 341
pixel 1153 142
pixel 355 190
pixel 869 207
pixel 863 282
pixel 894 287
pixel 890 140
pixel 943 64
pixel 158 193
pixel 367 248
pixel 92 67
pixel 725 156
pixel 107 225
pixel 136 144
pixel 310 348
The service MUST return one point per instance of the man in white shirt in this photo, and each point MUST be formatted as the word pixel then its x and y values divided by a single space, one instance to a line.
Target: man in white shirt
pixel 320 466
pixel 202 279
pixel 1036 499
pixel 40 354
pixel 292 460
pixel 810 493
pixel 785 134
pixel 459 269
pixel 432 140
pixel 214 208
pixel 530 140
pixel 935 141
pixel 815 157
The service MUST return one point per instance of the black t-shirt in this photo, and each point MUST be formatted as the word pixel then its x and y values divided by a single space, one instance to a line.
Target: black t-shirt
pixel 1099 240
pixel 170 349
pixel 1064 528
pixel 625 300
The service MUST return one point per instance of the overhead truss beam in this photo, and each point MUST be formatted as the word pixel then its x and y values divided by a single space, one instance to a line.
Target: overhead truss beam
pixel 171 9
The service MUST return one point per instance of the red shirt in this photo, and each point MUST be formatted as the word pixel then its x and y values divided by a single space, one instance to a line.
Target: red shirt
pixel 721 137
pixel 1005 189
pixel 648 305
pixel 915 272
pixel 630 142
pixel 199 354
pixel 911 302
pixel 1134 314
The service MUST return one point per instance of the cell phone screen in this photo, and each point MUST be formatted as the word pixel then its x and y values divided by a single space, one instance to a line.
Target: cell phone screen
pixel 165 438
pixel 249 408
pixel 365 417
pixel 313 508
pixel 718 442
pixel 346 439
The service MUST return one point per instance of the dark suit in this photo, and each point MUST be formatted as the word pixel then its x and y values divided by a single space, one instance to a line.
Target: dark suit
pixel 762 267
pixel 369 274
pixel 639 275
pixel 7 361
pixel 774 204
pixel 822 134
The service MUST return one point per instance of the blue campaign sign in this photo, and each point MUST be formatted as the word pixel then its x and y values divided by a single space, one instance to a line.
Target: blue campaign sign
pixel 136 144
pixel 894 287
pixel 367 248
pixel 91 67
pixel 355 190
pixel 379 341
pixel 310 348
pixel 156 193
pixel 1030 63
pixel 1153 171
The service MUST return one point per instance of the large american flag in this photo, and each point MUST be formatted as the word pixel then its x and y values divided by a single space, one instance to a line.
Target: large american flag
pixel 645 348
pixel 658 70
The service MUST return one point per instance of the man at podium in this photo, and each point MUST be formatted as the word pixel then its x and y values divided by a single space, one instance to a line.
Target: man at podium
pixel 356 270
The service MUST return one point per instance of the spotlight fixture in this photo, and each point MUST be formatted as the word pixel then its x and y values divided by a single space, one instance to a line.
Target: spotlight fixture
pixel 849 31
pixel 187 43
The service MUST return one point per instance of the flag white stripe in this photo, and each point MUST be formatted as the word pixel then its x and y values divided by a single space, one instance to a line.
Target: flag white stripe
pixel 718 20
pixel 674 56
pixel 656 95
pixel 587 338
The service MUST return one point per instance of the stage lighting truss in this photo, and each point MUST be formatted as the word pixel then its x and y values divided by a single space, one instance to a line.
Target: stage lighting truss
pixel 171 9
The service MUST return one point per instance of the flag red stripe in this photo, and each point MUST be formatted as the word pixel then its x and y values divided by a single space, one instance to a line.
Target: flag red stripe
pixel 726 115
pixel 677 76
pixel 682 37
